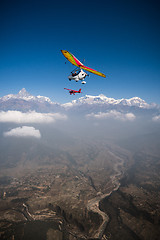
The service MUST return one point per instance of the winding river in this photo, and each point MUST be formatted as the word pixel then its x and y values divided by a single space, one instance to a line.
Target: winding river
pixel 93 204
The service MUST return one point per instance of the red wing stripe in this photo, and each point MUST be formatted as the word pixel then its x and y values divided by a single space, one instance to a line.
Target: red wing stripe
pixel 77 61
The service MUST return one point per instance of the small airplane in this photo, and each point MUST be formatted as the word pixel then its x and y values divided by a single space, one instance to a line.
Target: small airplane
pixel 73 91
pixel 78 74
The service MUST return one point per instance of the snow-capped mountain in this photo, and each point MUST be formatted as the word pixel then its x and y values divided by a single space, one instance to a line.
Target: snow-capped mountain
pixel 24 101
pixel 101 106
pixel 24 95
pixel 103 100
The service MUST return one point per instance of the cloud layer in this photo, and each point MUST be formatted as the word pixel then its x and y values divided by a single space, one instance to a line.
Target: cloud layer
pixel 30 117
pixel 113 114
pixel 156 118
pixel 23 131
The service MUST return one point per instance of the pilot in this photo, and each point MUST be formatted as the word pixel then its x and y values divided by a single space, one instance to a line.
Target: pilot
pixel 74 74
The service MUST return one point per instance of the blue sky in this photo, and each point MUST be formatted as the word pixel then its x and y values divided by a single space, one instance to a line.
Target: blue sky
pixel 118 38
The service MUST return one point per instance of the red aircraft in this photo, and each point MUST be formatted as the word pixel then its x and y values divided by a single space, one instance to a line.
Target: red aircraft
pixel 73 91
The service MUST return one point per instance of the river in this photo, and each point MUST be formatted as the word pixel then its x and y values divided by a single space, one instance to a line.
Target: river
pixel 93 204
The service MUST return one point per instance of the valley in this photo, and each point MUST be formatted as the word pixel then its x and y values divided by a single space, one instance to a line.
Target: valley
pixel 76 196
pixel 63 192
pixel 88 169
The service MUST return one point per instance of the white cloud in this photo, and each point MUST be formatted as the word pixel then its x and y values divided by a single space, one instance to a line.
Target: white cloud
pixel 30 117
pixel 114 115
pixel 156 118
pixel 23 131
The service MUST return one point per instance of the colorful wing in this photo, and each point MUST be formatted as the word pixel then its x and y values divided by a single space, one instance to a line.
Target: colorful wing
pixel 93 71
pixel 71 58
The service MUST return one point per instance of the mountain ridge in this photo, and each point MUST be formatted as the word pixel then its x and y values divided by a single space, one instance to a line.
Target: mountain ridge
pixel 24 101
pixel 23 94
pixel 102 99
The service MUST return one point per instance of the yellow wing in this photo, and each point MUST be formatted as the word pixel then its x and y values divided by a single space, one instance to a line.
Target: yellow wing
pixel 93 71
pixel 71 58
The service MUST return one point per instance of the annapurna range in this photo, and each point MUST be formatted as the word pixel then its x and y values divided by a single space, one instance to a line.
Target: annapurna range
pixel 24 101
